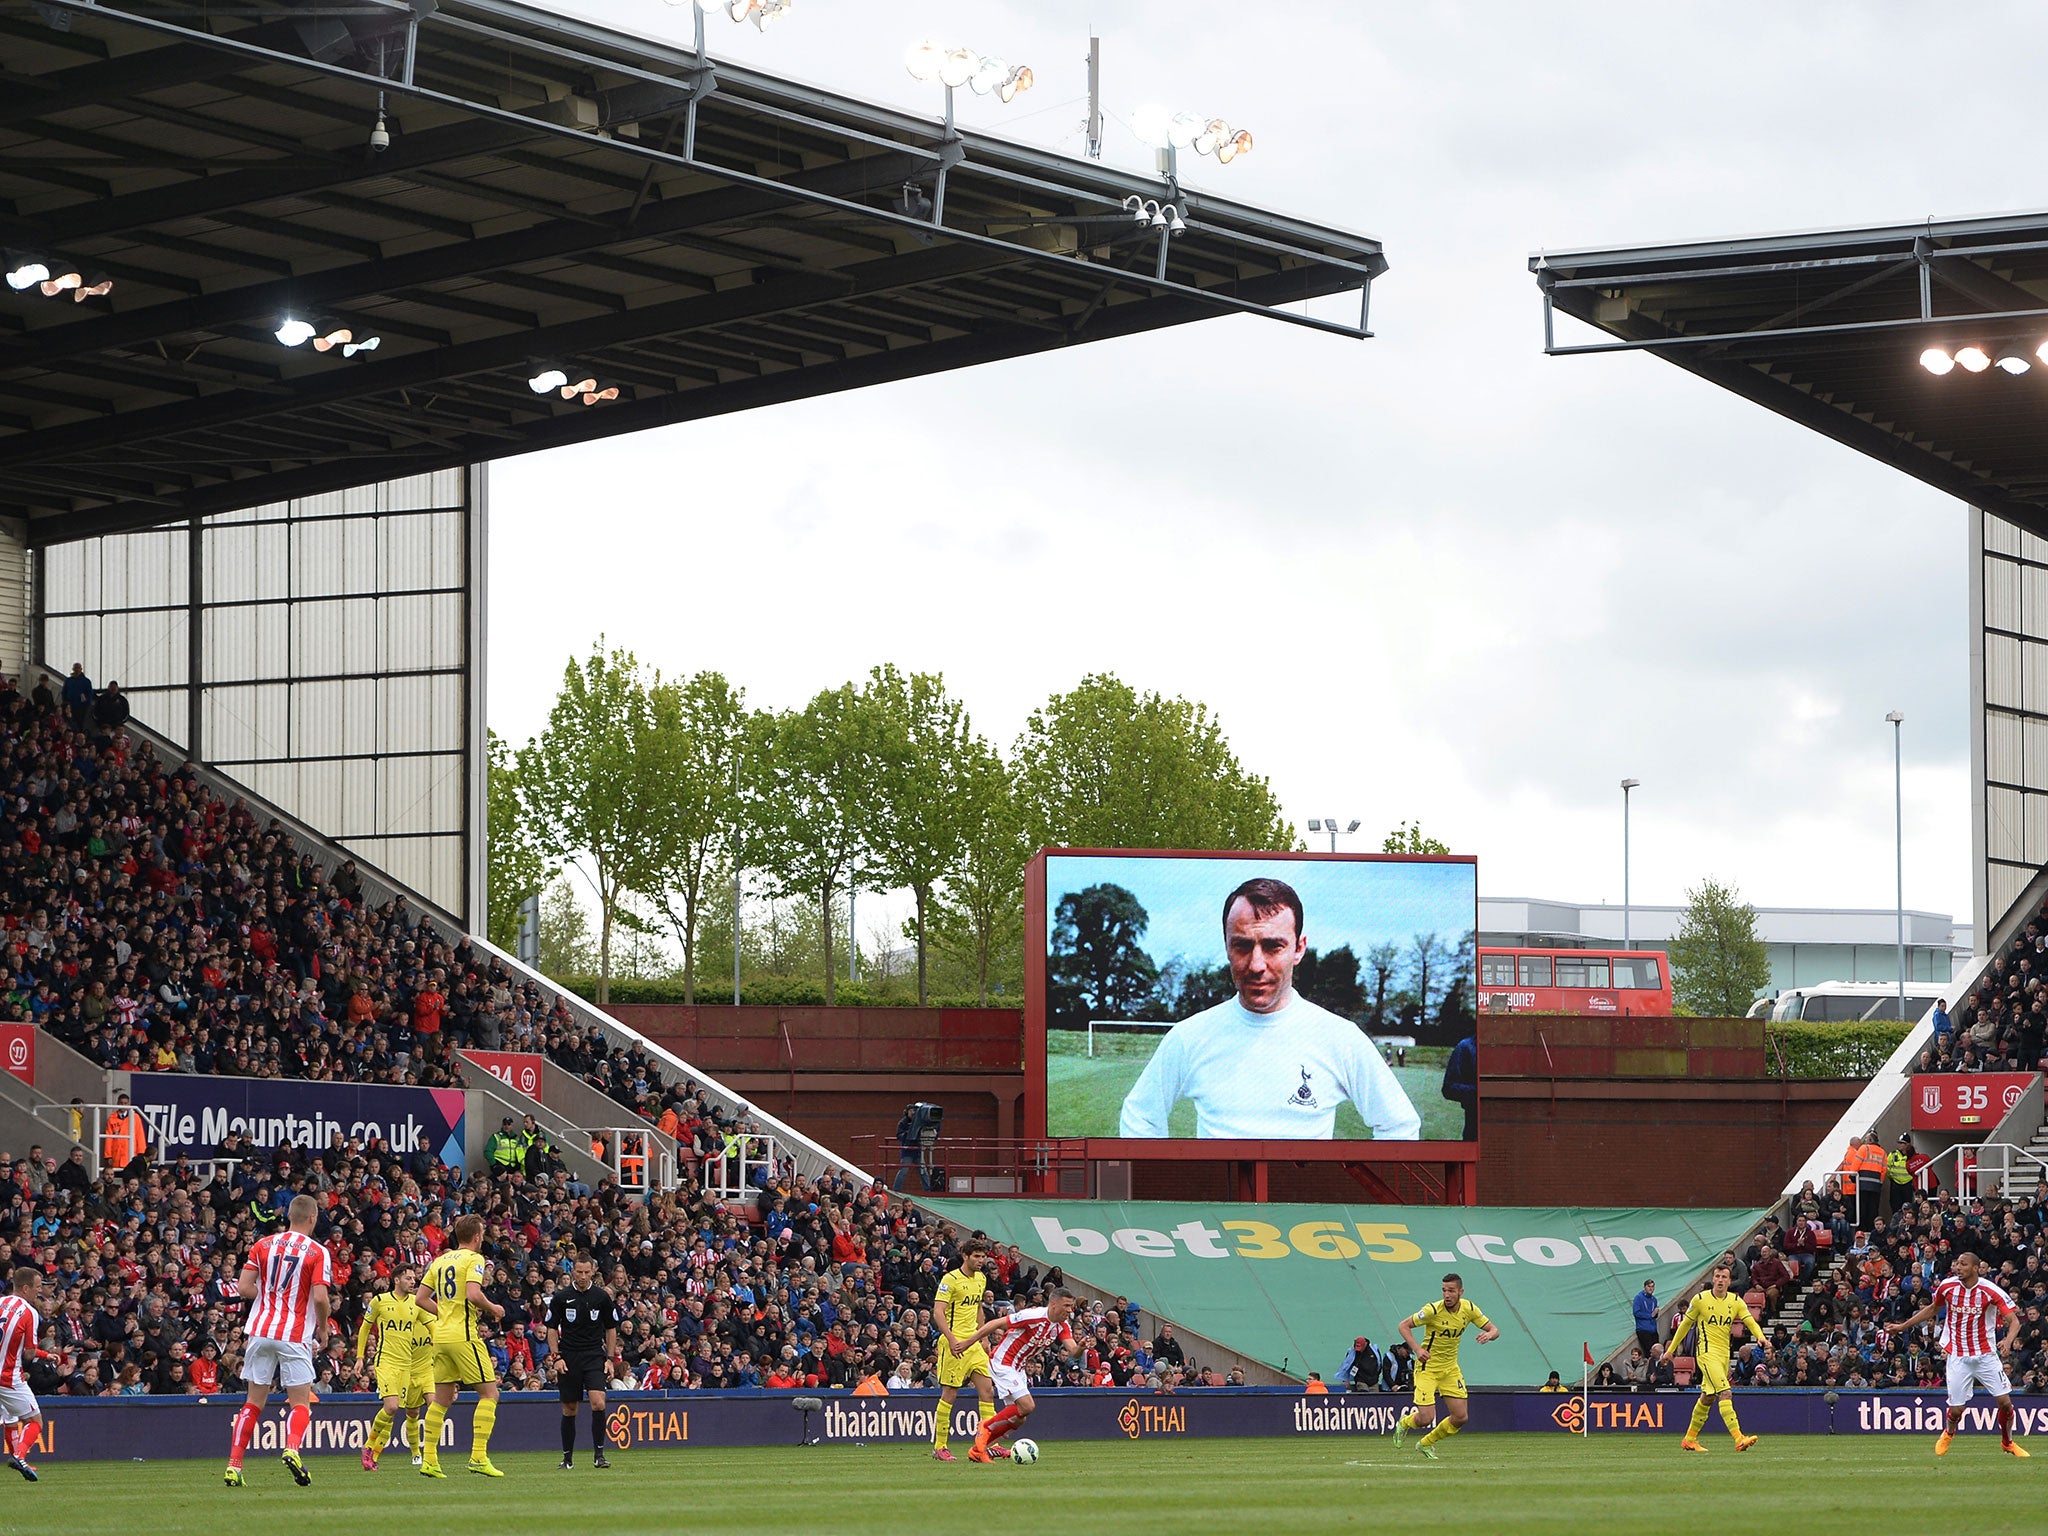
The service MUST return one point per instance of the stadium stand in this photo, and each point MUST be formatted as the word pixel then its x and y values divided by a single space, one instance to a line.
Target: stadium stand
pixel 192 935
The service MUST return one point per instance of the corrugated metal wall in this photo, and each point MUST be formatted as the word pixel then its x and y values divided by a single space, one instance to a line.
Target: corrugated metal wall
pixel 338 663
pixel 14 597
pixel 2009 695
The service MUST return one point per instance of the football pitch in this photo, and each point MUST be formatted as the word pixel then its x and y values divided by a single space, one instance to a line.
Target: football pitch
pixel 1483 1483
pixel 1085 1094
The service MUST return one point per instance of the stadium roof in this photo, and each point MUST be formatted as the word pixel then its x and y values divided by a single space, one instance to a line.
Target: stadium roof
pixel 1828 329
pixel 704 237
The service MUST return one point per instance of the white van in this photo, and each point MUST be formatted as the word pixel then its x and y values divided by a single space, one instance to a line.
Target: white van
pixel 1831 1002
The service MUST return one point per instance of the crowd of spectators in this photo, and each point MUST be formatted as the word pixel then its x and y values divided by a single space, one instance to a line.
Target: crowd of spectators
pixel 1887 1273
pixel 154 926
pixel 2002 1026
pixel 824 1283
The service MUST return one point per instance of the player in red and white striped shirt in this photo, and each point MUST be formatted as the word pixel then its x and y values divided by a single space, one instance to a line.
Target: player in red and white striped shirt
pixel 285 1276
pixel 1969 1337
pixel 1023 1336
pixel 21 1417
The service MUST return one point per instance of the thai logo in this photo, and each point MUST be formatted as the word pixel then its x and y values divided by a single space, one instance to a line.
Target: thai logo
pixel 619 1424
pixel 1930 1099
pixel 1127 1419
pixel 1570 1414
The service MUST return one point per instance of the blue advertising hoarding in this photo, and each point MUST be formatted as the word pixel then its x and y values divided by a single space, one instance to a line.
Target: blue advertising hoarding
pixel 188 1115
pixel 177 1428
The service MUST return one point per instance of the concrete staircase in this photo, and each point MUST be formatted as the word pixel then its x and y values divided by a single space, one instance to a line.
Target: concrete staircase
pixel 1792 1311
pixel 2024 1180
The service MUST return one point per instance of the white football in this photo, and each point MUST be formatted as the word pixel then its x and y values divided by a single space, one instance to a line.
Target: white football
pixel 1024 1452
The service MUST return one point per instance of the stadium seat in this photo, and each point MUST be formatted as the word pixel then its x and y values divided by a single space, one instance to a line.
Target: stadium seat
pixel 1682 1370
pixel 1756 1299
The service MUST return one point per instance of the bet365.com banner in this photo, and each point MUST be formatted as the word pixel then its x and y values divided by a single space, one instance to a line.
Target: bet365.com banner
pixel 1293 1285
pixel 189 1115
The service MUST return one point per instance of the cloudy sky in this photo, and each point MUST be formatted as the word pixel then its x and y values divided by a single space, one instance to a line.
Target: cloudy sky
pixel 1433 575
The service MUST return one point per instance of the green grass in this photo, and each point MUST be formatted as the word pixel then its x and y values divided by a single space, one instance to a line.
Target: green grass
pixel 1085 1095
pixel 1483 1483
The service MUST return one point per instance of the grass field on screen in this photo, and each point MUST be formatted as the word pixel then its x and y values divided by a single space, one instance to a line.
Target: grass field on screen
pixel 1152 1487
pixel 1085 1095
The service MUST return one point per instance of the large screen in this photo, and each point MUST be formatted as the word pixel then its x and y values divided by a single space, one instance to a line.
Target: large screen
pixel 1257 998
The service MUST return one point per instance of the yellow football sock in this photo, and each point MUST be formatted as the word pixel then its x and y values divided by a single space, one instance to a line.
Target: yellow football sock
pixel 1728 1417
pixel 430 1434
pixel 480 1429
pixel 942 1425
pixel 419 1428
pixel 1699 1420
pixel 380 1431
pixel 1443 1430
pixel 1408 1421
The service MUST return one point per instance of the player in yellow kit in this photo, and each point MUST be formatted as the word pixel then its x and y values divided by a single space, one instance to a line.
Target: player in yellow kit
pixel 956 1312
pixel 1713 1312
pixel 1437 1373
pixel 452 1292
pixel 403 1338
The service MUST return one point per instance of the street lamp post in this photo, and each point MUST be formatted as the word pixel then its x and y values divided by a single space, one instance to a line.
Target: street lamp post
pixel 1627 935
pixel 1896 721
pixel 1329 824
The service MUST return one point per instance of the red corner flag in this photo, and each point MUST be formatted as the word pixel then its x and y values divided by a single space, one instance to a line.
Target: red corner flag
pixel 1588 1348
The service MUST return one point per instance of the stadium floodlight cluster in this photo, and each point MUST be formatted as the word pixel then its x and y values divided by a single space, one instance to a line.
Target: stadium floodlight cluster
pixel 983 74
pixel 326 337
pixel 762 13
pixel 1144 210
pixel 51 276
pixel 555 377
pixel 1190 130
pixel 2009 357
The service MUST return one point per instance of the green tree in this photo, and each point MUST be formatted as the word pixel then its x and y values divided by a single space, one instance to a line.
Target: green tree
pixel 695 733
pixel 565 947
pixel 980 919
pixel 920 801
pixel 1381 962
pixel 815 801
pixel 589 783
pixel 1105 766
pixel 1331 981
pixel 1408 838
pixel 1718 964
pixel 517 868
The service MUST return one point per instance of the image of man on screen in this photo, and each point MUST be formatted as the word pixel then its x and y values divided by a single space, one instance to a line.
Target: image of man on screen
pixel 1267 1065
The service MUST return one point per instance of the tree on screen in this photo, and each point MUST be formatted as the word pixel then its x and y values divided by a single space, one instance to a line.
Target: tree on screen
pixel 1330 980
pixel 1096 969
pixel 1718 964
pixel 1105 766
pixel 1382 961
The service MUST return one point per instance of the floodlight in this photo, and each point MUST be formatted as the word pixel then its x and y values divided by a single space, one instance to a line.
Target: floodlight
pixel 1315 824
pixel 340 336
pixel 547 379
pixel 1355 824
pixel 1938 362
pixel 957 67
pixel 25 272
pixel 1239 143
pixel 294 333
pixel 99 283
pixel 1182 129
pixel 2042 352
pixel 762 13
pixel 1974 358
pixel 367 344
pixel 923 60
pixel 2014 361
pixel 1332 821
pixel 1149 124
pixel 1014 84
pixel 1213 133
pixel 61 279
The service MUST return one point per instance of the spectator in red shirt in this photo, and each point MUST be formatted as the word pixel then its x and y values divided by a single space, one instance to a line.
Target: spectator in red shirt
pixel 1801 1251
pixel 428 1006
pixel 1769 1275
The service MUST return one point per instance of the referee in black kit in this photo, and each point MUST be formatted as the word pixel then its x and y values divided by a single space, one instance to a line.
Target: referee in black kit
pixel 583 1332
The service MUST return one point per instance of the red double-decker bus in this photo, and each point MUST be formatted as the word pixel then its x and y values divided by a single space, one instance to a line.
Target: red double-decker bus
pixel 1621 981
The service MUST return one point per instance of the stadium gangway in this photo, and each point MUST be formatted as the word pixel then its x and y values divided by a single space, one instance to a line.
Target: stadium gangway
pixel 730 1175
pixel 638 1158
